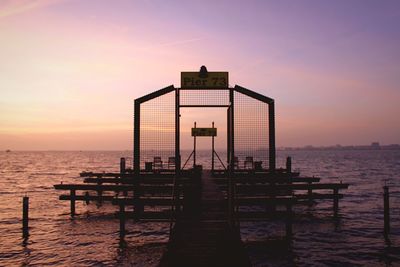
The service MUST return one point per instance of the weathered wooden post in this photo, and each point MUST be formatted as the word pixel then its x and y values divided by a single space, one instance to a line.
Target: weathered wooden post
pixel 87 198
pixel 289 211
pixel 289 164
pixel 386 211
pixel 309 193
pixel 73 202
pixel 25 217
pixel 122 166
pixel 335 201
pixel 121 220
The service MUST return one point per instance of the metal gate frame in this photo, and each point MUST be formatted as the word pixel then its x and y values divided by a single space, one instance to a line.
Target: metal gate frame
pixel 230 124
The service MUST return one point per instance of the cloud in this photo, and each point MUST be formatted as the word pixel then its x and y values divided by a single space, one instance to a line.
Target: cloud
pixel 13 7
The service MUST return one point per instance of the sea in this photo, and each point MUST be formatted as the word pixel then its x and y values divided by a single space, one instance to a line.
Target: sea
pixel 355 238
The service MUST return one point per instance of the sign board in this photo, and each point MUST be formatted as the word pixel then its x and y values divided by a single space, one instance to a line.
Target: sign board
pixel 204 131
pixel 210 80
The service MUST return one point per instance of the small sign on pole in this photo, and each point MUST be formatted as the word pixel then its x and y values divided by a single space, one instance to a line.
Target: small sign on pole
pixel 204 131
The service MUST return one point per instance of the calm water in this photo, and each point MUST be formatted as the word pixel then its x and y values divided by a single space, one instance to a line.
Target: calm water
pixel 92 238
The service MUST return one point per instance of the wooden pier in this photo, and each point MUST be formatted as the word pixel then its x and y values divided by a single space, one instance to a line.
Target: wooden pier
pixel 204 208
pixel 203 237
pixel 196 207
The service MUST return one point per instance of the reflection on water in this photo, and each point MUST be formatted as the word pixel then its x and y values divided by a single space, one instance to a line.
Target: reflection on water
pixel 92 238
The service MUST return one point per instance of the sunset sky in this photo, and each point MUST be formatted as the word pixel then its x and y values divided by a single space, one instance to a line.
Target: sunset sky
pixel 70 69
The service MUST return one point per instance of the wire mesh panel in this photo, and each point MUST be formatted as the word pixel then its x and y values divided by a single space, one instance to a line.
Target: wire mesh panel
pixel 251 132
pixel 196 97
pixel 157 132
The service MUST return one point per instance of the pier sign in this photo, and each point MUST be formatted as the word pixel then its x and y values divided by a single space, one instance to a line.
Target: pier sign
pixel 204 131
pixel 204 80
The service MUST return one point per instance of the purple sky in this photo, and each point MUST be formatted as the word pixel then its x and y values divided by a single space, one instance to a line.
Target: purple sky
pixel 70 69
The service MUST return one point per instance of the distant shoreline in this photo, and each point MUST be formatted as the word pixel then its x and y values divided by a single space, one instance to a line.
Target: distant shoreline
pixel 304 148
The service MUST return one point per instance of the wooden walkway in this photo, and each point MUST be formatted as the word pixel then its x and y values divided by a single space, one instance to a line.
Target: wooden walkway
pixel 203 237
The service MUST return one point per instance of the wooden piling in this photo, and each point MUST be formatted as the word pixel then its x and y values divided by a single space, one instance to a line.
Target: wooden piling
pixel 87 196
pixel 122 166
pixel 386 211
pixel 121 220
pixel 309 193
pixel 335 201
pixel 25 216
pixel 73 194
pixel 289 164
pixel 289 228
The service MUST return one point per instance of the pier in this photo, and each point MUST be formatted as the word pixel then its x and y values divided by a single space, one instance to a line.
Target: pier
pixel 204 207
pixel 203 237
pixel 203 231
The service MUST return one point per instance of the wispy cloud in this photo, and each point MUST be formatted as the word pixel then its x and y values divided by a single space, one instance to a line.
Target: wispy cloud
pixel 13 7
pixel 173 43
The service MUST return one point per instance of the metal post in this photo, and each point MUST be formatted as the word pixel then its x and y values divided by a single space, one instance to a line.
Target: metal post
pixel 177 150
pixel 25 216
pixel 73 202
pixel 177 133
pixel 231 206
pixel 213 151
pixel 136 141
pixel 136 159
pixel 228 138
pixel 288 164
pixel 272 149
pixel 122 166
pixel 194 148
pixel 386 212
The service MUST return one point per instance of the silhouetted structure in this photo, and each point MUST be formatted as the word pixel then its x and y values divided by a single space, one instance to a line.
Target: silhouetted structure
pixel 204 207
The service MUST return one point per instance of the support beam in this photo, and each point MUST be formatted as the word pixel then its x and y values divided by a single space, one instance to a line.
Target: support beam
pixel 289 218
pixel 213 151
pixel 336 201
pixel 272 149
pixel 231 200
pixel 289 164
pixel 122 221
pixel 25 217
pixel 122 166
pixel 194 148
pixel 136 141
pixel 73 194
pixel 136 159
pixel 386 210
pixel 177 150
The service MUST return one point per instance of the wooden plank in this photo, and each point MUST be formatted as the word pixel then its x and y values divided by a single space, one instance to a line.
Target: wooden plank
pixel 111 187
pixel 270 180
pixel 86 198
pixel 260 200
pixel 316 186
pixel 264 200
pixel 150 201
pixel 319 196
pixel 162 215
pixel 145 180
pixel 262 215
pixel 202 237
pixel 160 173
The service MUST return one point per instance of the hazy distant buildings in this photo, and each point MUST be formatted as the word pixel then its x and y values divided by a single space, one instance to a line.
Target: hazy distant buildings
pixel 373 146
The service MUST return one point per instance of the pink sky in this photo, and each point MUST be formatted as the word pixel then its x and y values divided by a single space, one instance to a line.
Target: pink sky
pixel 70 69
